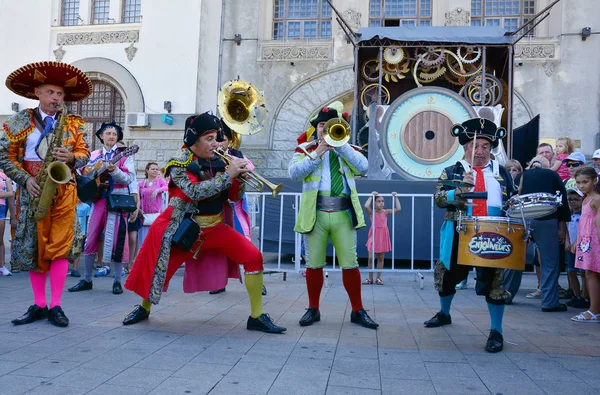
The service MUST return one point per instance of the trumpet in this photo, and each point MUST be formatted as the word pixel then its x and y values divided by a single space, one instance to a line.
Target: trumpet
pixel 336 133
pixel 254 180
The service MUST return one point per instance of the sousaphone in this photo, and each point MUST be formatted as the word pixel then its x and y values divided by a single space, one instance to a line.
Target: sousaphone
pixel 242 107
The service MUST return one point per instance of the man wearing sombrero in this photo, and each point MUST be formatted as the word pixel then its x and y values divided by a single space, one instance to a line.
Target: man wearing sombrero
pixel 110 226
pixel 477 136
pixel 45 246
pixel 330 208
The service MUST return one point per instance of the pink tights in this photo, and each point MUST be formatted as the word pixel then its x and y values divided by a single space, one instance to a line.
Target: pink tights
pixel 58 275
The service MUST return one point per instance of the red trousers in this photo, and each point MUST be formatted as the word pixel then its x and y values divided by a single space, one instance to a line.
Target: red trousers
pixel 220 238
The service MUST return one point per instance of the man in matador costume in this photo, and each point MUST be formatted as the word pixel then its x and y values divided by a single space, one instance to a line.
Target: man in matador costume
pixel 199 189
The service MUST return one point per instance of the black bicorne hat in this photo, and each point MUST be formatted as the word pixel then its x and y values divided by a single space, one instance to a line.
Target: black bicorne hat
pixel 106 125
pixel 326 114
pixel 197 125
pixel 483 128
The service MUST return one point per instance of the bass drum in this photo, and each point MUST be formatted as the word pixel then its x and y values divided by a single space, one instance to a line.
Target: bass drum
pixel 416 141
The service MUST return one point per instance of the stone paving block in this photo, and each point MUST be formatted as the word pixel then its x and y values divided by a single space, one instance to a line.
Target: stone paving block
pixel 242 385
pixel 51 389
pixel 141 378
pixel 314 351
pixel 177 385
pixel 393 386
pixel 14 384
pixel 357 351
pixel 160 361
pixel 459 385
pixel 211 373
pixel 450 369
pixel 508 381
pixel 352 372
pixel 409 370
pixel 46 368
pixel 82 379
pixel 553 387
pixel 117 390
pixel 339 390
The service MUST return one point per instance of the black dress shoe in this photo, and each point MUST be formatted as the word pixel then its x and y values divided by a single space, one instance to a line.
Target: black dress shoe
pixel 217 291
pixel 34 313
pixel 82 285
pixel 264 291
pixel 263 324
pixel 312 315
pixel 495 342
pixel 361 317
pixel 138 314
pixel 439 319
pixel 57 317
pixel 559 307
pixel 117 288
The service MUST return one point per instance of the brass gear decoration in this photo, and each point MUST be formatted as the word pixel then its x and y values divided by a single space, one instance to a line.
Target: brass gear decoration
pixel 393 55
pixel 370 70
pixel 371 92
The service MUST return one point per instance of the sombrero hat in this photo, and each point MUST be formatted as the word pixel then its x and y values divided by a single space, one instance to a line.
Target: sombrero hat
pixel 24 80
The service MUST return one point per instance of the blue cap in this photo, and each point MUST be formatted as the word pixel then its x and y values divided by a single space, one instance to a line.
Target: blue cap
pixel 575 157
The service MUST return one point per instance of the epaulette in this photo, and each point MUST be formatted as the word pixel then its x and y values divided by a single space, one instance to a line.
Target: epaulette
pixel 19 125
pixel 182 159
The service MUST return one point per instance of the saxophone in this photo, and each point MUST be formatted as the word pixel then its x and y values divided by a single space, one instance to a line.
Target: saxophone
pixel 52 174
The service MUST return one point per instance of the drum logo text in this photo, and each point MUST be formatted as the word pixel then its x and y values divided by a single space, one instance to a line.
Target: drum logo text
pixel 490 245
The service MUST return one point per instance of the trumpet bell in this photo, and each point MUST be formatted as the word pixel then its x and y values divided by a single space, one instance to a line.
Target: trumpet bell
pixel 242 107
pixel 337 132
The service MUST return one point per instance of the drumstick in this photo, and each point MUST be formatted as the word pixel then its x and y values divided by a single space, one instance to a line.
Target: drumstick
pixel 473 149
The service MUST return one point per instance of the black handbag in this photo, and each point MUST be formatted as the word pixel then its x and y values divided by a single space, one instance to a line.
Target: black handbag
pixel 121 203
pixel 187 234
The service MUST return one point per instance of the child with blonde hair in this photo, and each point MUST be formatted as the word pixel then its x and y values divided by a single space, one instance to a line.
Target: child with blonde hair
pixel 564 147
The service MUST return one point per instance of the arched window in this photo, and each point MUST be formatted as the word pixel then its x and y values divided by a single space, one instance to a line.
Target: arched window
pixel 105 104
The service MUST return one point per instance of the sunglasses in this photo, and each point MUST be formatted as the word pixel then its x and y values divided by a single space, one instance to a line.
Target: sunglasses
pixel 574 164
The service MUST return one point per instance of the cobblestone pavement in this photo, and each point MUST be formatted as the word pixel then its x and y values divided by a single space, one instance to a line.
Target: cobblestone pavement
pixel 198 344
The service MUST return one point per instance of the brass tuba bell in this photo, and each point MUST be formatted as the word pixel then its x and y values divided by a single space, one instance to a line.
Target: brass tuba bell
pixel 242 107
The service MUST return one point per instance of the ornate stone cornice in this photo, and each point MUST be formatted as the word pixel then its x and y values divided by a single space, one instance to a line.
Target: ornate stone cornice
pixel 281 51
pixel 537 51
pixel 99 37
pixel 458 17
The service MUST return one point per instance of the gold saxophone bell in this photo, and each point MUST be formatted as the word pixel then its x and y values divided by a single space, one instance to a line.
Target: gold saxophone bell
pixel 242 107
pixel 254 180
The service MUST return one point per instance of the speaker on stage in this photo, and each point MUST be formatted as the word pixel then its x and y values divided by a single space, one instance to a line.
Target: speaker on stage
pixel 525 141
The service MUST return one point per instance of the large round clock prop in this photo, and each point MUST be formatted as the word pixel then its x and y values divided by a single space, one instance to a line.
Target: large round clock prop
pixel 417 141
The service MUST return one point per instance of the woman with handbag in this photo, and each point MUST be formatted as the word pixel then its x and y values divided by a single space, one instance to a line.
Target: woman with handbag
pixel 110 211
pixel 151 190
pixel 193 224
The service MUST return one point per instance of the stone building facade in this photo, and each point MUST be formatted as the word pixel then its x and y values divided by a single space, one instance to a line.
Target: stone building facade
pixel 182 52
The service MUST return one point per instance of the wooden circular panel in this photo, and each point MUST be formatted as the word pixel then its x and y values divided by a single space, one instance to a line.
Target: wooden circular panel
pixel 427 137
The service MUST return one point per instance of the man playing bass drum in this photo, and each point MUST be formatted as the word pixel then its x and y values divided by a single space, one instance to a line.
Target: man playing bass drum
pixel 488 176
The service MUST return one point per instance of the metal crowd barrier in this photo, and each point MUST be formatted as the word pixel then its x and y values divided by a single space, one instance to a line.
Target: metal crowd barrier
pixel 257 202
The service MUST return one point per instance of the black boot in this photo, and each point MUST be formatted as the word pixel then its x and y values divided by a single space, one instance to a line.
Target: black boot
pixel 117 288
pixel 138 314
pixel 440 319
pixel 495 342
pixel 311 316
pixel 217 291
pixel 263 324
pixel 361 317
pixel 57 317
pixel 34 313
pixel 82 285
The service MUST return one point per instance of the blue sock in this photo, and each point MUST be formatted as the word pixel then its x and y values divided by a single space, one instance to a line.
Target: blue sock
pixel 445 302
pixel 496 314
